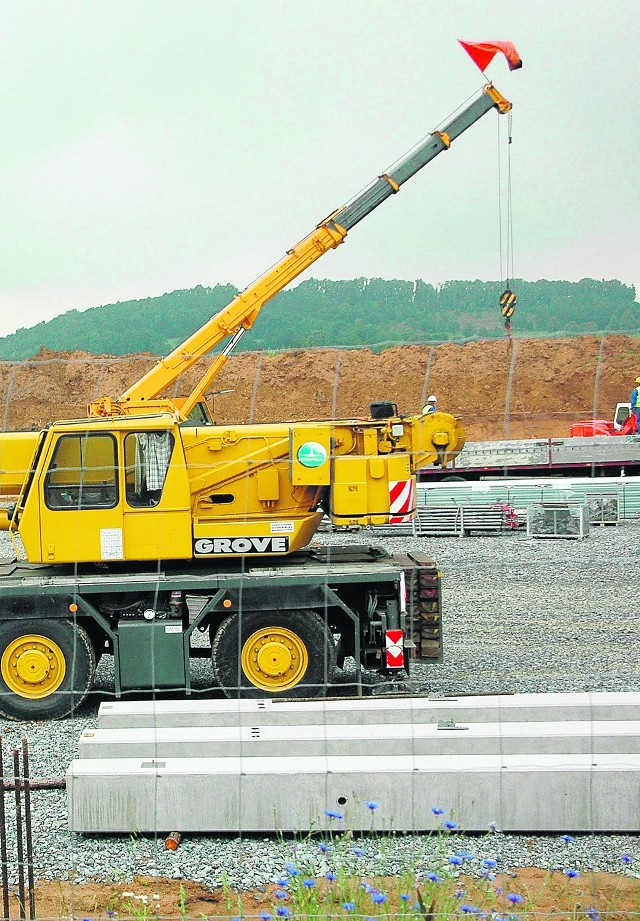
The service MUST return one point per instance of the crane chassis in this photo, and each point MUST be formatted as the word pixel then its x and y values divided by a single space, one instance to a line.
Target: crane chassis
pixel 270 627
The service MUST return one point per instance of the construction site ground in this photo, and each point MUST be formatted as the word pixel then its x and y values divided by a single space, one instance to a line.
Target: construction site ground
pixel 545 894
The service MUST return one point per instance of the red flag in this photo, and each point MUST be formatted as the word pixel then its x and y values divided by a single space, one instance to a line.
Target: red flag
pixel 482 53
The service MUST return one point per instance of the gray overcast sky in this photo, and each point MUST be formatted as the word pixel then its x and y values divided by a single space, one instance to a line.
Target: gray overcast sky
pixel 149 146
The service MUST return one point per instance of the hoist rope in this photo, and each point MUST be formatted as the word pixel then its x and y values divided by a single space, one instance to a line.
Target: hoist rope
pixel 505 208
pixel 505 232
pixel 510 272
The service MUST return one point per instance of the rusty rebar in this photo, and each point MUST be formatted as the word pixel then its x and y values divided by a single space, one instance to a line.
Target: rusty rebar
pixel 3 844
pixel 19 838
pixel 46 783
pixel 28 829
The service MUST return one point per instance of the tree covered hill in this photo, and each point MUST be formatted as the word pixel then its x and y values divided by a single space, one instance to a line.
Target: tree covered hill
pixel 354 313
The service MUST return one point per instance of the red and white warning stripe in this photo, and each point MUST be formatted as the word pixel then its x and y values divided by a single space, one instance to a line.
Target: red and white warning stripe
pixel 394 649
pixel 402 500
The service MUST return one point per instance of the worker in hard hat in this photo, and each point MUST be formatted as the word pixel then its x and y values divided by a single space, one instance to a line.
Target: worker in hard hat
pixel 635 403
pixel 430 406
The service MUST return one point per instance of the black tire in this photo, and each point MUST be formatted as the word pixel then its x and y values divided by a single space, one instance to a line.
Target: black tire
pixel 291 654
pixel 98 639
pixel 453 479
pixel 47 667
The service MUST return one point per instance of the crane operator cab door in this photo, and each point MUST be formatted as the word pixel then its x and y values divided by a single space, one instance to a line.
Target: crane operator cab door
pixel 117 495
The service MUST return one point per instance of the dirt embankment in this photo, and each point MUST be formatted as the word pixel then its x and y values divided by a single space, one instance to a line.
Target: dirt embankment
pixel 533 389
pixel 546 894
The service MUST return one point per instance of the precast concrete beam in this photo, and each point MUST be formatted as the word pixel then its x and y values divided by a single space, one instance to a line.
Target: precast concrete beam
pixel 371 711
pixel 541 793
pixel 459 738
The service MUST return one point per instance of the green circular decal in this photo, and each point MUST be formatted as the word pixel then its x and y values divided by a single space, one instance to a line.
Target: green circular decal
pixel 311 454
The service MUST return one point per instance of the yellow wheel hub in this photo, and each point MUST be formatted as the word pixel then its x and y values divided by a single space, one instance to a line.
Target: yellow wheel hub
pixel 33 666
pixel 274 659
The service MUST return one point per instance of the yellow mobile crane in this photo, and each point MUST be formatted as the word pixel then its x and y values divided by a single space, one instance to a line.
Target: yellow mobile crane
pixel 150 479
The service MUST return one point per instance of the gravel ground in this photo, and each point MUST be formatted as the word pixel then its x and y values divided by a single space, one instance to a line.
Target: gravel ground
pixel 519 616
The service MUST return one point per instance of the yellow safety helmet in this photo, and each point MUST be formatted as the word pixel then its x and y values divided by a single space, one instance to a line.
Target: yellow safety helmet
pixel 637 380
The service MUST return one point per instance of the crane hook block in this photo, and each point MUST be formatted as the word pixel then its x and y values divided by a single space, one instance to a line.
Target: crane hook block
pixel 507 303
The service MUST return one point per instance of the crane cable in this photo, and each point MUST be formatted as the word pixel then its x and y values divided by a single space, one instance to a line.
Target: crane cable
pixel 508 297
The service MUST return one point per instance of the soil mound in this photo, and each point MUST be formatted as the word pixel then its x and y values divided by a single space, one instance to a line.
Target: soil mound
pixel 531 388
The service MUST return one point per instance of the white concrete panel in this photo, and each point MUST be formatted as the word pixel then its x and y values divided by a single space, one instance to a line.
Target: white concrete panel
pixel 579 737
pixel 367 711
pixel 560 793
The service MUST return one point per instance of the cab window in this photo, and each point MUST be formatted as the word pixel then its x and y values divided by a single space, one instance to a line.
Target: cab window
pixel 147 456
pixel 82 473
pixel 199 415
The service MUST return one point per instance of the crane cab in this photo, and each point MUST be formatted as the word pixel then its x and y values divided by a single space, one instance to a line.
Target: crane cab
pixel 107 490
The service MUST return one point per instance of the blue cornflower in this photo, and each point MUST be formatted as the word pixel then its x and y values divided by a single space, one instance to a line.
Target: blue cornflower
pixel 455 860
pixel 379 897
pixel 282 911
pixel 592 913
pixel 333 814
pixel 514 898
pixel 459 893
pixel 281 894
pixel 292 870
pixel 498 890
pixel 437 810
pixel 465 855
pixel 625 858
pixel 489 862
pixel 450 825
pixel 349 906
pixel 404 897
pixel 265 916
pixel 567 839
pixel 309 883
pixel 465 908
pixel 434 878
pixel 331 876
pixel 323 847
pixel 372 805
pixel 358 851
pixel 282 882
pixel 571 873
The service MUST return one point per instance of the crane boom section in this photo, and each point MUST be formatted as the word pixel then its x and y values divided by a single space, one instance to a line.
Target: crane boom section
pixel 390 182
pixel 240 313
pixel 243 310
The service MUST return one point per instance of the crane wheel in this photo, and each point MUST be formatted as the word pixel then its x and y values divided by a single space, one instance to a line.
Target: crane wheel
pixel 273 654
pixel 46 668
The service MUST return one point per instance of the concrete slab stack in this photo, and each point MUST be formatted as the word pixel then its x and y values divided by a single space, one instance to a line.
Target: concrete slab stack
pixel 547 762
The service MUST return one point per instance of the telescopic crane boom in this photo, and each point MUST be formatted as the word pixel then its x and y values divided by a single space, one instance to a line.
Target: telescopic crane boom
pixel 240 315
